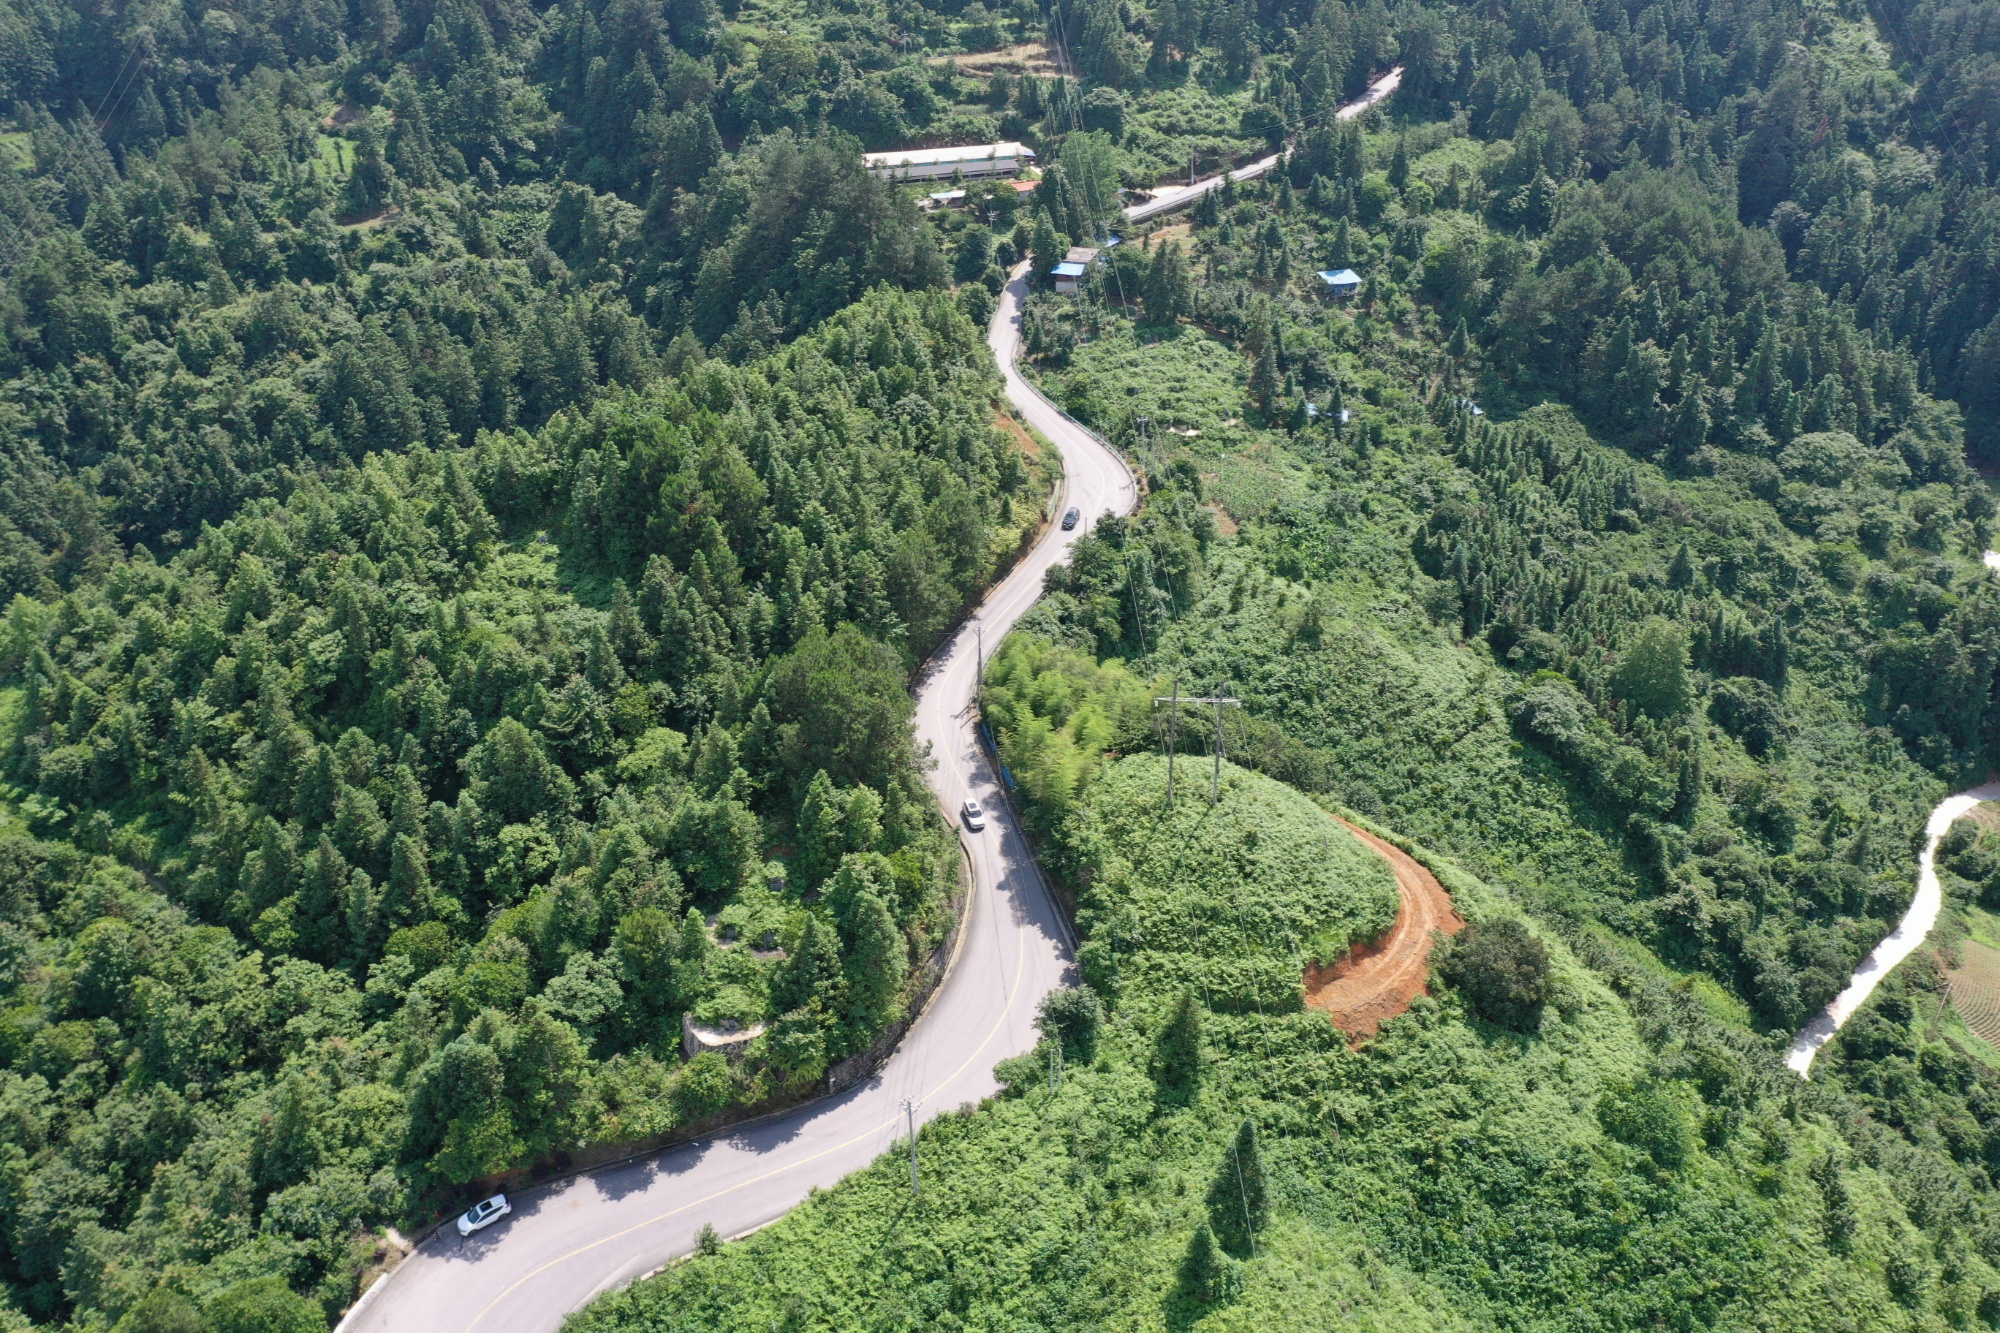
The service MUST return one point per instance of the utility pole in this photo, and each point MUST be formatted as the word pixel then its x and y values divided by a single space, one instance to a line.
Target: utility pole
pixel 910 1113
pixel 1215 791
pixel 1173 703
pixel 1132 587
pixel 979 661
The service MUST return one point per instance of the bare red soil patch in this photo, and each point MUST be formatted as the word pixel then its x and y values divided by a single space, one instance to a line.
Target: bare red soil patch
pixel 1006 421
pixel 1372 983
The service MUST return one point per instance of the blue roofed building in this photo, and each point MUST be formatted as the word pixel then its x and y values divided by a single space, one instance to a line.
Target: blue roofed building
pixel 1342 282
pixel 1070 273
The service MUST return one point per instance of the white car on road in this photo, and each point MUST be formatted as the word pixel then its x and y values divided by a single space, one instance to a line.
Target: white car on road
pixel 484 1214
pixel 975 818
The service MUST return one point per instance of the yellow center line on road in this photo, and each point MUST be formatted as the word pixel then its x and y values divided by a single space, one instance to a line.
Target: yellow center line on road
pixel 1020 957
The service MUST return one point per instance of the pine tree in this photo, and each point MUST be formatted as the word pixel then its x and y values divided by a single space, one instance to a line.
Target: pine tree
pixel 691 961
pixel 1235 32
pixel 369 181
pixel 1048 249
pixel 1169 290
pixel 1680 570
pixel 362 909
pixel 811 973
pixel 1352 155
pixel 1266 379
pixel 821 838
pixel 1207 1274
pixel 877 961
pixel 1159 60
pixel 323 900
pixel 1836 1203
pixel 318 789
pixel 407 896
pixel 1029 100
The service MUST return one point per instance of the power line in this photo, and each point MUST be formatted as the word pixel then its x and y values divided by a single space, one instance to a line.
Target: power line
pixel 1173 733
pixel 1215 794
pixel 19 236
pixel 1094 194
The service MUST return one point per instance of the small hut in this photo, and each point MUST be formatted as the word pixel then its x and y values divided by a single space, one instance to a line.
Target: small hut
pixel 1070 273
pixel 1342 283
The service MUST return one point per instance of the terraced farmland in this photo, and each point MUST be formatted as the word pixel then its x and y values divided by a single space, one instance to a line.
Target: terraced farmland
pixel 1975 989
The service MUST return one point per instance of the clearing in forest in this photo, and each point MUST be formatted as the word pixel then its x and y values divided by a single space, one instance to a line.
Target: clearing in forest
pixel 1372 983
pixel 1025 58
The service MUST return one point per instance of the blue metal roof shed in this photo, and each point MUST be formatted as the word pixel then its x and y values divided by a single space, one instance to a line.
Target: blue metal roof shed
pixel 1069 273
pixel 1343 280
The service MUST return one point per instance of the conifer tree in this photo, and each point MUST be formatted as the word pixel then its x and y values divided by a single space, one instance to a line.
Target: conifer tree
pixel 876 960
pixel 691 961
pixel 1207 1273
pixel 1266 380
pixel 1048 249
pixel 370 178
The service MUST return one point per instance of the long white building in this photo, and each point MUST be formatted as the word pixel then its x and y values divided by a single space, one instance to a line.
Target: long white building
pixel 969 160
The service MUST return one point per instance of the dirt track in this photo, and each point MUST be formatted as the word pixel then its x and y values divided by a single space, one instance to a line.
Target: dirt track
pixel 1372 983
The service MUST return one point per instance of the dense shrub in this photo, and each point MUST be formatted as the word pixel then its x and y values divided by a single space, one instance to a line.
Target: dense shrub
pixel 1500 969
pixel 1071 1017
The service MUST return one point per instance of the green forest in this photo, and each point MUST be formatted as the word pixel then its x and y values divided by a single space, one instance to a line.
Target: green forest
pixel 477 477
pixel 378 842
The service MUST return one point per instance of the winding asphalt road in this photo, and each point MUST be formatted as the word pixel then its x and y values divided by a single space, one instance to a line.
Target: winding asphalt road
pixel 570 1240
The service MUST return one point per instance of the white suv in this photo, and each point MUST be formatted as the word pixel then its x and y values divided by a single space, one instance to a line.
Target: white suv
pixel 484 1214
pixel 975 818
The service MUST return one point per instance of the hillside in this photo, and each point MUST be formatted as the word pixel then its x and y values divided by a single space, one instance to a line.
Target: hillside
pixel 1615 542
pixel 391 870
pixel 477 476
pixel 1455 1174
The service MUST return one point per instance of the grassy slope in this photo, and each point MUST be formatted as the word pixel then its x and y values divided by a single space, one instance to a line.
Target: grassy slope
pixel 1410 722
pixel 1259 882
pixel 1452 1176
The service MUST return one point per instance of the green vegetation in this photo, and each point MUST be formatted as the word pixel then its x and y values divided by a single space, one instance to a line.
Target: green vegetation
pixel 1227 1170
pixel 400 837
pixel 1502 971
pixel 1231 899
pixel 1055 712
pixel 474 477
pixel 1673 643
